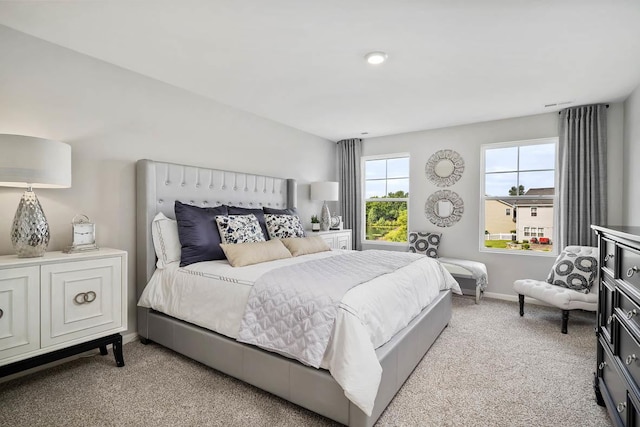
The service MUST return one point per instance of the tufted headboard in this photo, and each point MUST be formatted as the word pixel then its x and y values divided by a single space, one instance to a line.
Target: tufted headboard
pixel 159 185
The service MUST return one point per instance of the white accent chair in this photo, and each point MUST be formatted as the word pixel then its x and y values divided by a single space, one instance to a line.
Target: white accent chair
pixel 564 298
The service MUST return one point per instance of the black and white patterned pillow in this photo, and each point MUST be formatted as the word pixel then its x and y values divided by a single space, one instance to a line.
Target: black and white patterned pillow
pixel 283 226
pixel 424 243
pixel 239 228
pixel 575 268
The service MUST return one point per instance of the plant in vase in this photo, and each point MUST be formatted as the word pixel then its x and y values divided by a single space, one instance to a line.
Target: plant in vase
pixel 315 223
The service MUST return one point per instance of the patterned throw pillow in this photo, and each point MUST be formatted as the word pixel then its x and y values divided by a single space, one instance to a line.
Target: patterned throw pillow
pixel 239 228
pixel 575 268
pixel 283 226
pixel 424 243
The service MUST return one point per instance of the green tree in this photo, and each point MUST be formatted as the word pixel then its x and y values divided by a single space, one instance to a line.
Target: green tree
pixel 516 192
pixel 398 234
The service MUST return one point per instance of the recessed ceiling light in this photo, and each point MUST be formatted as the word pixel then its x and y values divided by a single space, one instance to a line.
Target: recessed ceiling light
pixel 375 58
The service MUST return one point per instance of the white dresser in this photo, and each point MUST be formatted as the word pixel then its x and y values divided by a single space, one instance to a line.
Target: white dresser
pixel 336 239
pixel 60 304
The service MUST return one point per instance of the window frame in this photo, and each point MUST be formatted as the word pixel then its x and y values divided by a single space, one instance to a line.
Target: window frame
pixel 483 198
pixel 363 186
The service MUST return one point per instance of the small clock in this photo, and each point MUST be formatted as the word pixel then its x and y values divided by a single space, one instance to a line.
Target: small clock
pixel 336 222
pixel 83 235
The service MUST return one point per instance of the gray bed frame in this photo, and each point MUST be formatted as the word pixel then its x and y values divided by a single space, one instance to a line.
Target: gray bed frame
pixel 159 184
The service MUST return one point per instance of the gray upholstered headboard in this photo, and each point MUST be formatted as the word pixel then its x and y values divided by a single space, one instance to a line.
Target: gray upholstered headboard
pixel 159 185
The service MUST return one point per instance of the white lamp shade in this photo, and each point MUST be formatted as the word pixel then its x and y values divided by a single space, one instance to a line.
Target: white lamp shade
pixel 327 191
pixel 29 161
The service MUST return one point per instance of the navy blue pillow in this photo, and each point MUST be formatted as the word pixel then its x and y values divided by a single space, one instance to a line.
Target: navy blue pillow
pixel 198 233
pixel 234 210
pixel 291 211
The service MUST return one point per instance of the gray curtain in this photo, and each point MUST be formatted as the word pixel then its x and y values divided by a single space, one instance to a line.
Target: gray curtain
pixel 583 174
pixel 349 154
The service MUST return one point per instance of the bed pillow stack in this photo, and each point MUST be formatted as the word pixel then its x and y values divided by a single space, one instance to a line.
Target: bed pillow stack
pixel 197 232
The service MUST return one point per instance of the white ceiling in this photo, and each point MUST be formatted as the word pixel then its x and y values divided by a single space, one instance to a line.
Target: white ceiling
pixel 300 62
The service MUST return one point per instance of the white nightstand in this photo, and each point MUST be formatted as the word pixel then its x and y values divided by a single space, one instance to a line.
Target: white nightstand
pixel 58 305
pixel 336 239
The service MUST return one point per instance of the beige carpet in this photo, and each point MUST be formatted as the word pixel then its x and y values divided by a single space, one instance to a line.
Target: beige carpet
pixel 488 368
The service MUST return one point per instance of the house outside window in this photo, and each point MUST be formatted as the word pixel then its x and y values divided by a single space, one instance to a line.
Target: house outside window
pixel 520 175
pixel 507 211
pixel 386 198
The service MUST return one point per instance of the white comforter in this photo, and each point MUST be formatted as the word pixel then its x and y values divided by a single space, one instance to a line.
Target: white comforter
pixel 213 295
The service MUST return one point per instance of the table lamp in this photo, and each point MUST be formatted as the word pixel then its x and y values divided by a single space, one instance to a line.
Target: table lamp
pixel 325 191
pixel 30 162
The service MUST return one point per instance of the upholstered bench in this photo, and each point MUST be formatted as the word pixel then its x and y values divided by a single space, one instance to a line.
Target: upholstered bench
pixel 426 243
pixel 467 269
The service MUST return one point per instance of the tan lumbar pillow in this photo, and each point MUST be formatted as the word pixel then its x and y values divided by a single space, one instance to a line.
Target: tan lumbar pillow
pixel 241 254
pixel 305 245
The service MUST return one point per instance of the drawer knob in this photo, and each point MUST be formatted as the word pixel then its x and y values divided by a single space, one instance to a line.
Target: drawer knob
pixel 1 313
pixel 631 313
pixel 85 297
pixel 621 406
pixel 631 271
pixel 629 360
pixel 602 365
pixel 608 257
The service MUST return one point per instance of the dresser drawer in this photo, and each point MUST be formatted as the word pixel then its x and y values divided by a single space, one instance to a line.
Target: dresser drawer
pixel 606 305
pixel 616 388
pixel 630 310
pixel 80 299
pixel 629 352
pixel 630 266
pixel 608 257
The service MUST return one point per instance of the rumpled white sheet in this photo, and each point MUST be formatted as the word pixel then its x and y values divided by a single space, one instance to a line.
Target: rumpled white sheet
pixel 213 295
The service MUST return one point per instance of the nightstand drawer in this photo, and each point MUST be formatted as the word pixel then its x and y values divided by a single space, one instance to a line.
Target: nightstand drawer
pixel 19 311
pixel 80 299
pixel 609 256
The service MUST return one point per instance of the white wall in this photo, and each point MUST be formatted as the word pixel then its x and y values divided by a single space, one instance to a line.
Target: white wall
pixel 112 117
pixel 631 193
pixel 462 239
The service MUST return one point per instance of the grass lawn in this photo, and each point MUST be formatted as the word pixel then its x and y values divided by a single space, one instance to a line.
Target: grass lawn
pixel 496 244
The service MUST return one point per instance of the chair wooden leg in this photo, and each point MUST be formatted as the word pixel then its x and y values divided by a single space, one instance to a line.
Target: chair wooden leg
pixel 565 320
pixel 521 301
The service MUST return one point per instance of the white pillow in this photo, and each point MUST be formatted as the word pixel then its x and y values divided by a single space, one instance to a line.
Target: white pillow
pixel 165 240
pixel 239 228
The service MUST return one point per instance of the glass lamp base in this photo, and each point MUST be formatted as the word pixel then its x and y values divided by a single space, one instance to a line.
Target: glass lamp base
pixel 30 230
pixel 325 217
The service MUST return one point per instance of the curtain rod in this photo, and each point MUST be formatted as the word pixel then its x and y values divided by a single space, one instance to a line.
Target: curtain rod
pixel 559 112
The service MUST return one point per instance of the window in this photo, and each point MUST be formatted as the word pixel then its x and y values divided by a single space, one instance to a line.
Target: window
pixel 507 212
pixel 520 175
pixel 386 194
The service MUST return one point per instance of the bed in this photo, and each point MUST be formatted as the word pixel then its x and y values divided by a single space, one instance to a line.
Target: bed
pixel 159 185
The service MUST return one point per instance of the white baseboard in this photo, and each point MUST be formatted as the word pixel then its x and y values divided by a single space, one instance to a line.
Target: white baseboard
pixel 126 339
pixel 514 298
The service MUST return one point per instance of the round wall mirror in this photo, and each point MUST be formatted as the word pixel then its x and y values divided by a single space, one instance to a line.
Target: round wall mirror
pixel 444 208
pixel 444 168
